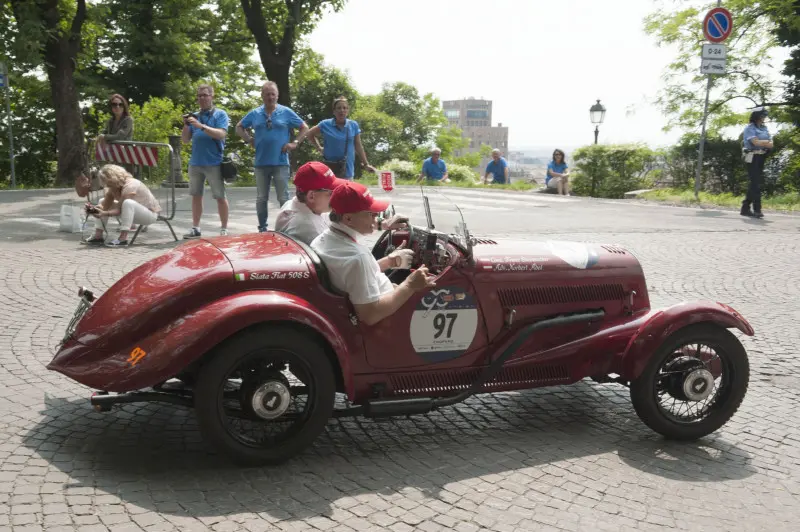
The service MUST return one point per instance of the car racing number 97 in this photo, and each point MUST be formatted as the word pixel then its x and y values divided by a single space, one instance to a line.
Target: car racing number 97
pixel 444 324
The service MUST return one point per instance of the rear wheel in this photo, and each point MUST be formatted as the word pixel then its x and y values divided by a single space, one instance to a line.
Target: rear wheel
pixel 265 395
pixel 693 384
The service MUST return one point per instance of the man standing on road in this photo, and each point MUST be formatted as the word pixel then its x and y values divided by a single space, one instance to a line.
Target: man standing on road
pixel 272 123
pixel 498 168
pixel 434 168
pixel 206 131
pixel 352 267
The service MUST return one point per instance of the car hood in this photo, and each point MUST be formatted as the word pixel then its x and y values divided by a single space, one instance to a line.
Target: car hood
pixel 510 256
pixel 156 293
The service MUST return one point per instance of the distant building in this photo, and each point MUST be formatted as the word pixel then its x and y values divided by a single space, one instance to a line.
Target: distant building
pixel 474 118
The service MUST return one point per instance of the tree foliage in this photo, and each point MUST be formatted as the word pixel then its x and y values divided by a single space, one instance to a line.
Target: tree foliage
pixel 277 26
pixel 750 61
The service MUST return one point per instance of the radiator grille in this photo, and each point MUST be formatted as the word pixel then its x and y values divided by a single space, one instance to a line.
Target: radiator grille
pixel 460 380
pixel 615 249
pixel 548 295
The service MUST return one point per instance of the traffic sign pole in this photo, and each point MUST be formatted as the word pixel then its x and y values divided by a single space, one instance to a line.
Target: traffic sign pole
pixel 4 73
pixel 724 32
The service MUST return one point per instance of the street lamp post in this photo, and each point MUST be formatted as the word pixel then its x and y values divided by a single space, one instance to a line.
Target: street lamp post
pixel 597 113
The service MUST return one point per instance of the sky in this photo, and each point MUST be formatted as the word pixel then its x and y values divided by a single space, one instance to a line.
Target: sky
pixel 542 63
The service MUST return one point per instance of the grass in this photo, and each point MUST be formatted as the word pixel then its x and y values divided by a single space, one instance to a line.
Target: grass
pixel 783 202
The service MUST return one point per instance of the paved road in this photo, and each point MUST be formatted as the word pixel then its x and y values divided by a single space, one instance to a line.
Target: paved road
pixel 568 458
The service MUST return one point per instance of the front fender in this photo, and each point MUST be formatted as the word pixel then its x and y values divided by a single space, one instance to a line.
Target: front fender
pixel 175 346
pixel 666 321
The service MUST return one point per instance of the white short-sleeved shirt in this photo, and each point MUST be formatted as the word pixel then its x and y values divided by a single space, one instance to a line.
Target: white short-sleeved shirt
pixel 351 266
pixel 296 220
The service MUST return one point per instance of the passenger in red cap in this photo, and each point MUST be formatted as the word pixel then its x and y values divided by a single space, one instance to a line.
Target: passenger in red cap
pixel 302 217
pixel 352 267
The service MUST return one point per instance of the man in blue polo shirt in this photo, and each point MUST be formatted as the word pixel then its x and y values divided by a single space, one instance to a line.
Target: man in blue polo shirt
pixel 272 123
pixel 206 131
pixel 434 168
pixel 498 169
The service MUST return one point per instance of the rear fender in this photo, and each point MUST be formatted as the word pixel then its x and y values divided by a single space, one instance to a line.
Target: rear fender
pixel 665 322
pixel 183 342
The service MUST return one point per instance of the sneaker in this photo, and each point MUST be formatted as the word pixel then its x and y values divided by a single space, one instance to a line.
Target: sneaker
pixel 193 233
pixel 223 232
pixel 117 243
pixel 92 241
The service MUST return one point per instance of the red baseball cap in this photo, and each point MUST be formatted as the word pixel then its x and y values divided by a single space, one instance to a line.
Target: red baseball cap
pixel 316 176
pixel 353 197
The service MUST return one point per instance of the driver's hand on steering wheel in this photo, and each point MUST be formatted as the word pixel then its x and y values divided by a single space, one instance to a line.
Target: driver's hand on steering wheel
pixel 420 279
pixel 397 221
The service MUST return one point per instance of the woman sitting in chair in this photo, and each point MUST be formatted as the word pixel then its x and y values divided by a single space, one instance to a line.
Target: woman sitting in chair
pixel 126 197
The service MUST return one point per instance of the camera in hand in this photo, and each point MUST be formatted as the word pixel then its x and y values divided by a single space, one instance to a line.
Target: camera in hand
pixel 187 116
pixel 92 209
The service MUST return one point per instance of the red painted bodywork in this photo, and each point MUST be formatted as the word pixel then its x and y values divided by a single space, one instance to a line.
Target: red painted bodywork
pixel 178 307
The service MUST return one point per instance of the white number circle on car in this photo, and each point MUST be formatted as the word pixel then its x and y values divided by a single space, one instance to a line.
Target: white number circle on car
pixel 444 324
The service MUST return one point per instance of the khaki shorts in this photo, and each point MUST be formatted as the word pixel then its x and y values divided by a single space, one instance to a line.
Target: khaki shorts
pixel 553 183
pixel 198 175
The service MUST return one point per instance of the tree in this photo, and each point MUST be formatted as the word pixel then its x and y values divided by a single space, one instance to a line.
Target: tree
pixel 277 26
pixel 50 31
pixel 422 116
pixel 749 61
pixel 161 48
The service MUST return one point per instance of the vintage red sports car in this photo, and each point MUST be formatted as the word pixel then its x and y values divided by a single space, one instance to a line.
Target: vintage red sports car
pixel 249 332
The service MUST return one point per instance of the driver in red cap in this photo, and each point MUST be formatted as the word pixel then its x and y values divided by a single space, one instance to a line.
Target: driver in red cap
pixel 302 217
pixel 352 267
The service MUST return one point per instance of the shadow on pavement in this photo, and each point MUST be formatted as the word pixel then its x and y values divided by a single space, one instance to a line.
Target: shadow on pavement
pixel 152 456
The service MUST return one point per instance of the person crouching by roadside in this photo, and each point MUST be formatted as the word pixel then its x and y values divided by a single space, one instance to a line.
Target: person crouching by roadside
pixel 434 168
pixel 558 174
pixel 126 197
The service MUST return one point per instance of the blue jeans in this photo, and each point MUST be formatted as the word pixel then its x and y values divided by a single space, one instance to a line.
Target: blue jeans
pixel 264 175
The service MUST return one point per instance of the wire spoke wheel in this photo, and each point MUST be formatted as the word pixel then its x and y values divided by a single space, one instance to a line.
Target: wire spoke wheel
pixel 693 383
pixel 265 395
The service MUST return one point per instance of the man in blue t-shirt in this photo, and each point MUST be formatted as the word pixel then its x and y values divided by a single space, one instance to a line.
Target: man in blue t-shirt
pixel 272 123
pixel 434 168
pixel 498 169
pixel 206 131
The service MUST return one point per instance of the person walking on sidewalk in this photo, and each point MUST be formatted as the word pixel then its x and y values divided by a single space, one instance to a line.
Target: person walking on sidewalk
pixel 271 123
pixel 206 131
pixel 756 142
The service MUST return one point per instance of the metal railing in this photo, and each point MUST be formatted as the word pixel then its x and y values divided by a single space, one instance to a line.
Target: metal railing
pixel 136 156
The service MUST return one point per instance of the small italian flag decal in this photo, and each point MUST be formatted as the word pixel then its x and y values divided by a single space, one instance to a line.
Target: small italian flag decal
pixel 240 277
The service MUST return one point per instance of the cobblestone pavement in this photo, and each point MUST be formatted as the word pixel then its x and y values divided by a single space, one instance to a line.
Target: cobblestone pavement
pixel 566 458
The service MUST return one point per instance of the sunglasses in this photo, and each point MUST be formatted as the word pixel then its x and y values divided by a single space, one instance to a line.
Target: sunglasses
pixel 117 104
pixel 269 122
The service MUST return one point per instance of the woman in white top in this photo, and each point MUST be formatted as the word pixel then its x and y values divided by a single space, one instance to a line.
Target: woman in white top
pixel 126 197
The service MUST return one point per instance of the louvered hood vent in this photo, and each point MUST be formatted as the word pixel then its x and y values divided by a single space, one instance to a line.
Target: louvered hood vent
pixel 486 241
pixel 548 295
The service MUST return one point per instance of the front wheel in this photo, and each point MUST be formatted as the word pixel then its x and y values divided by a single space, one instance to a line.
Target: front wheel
pixel 693 384
pixel 265 395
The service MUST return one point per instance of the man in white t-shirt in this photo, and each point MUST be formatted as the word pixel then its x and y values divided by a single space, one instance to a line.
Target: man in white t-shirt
pixel 350 263
pixel 302 218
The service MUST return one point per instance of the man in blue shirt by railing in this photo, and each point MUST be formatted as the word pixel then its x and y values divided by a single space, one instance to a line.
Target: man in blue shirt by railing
pixel 498 168
pixel 434 168
pixel 271 123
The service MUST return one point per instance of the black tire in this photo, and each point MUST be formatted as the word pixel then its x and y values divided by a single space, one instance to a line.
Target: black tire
pixel 208 400
pixel 644 389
